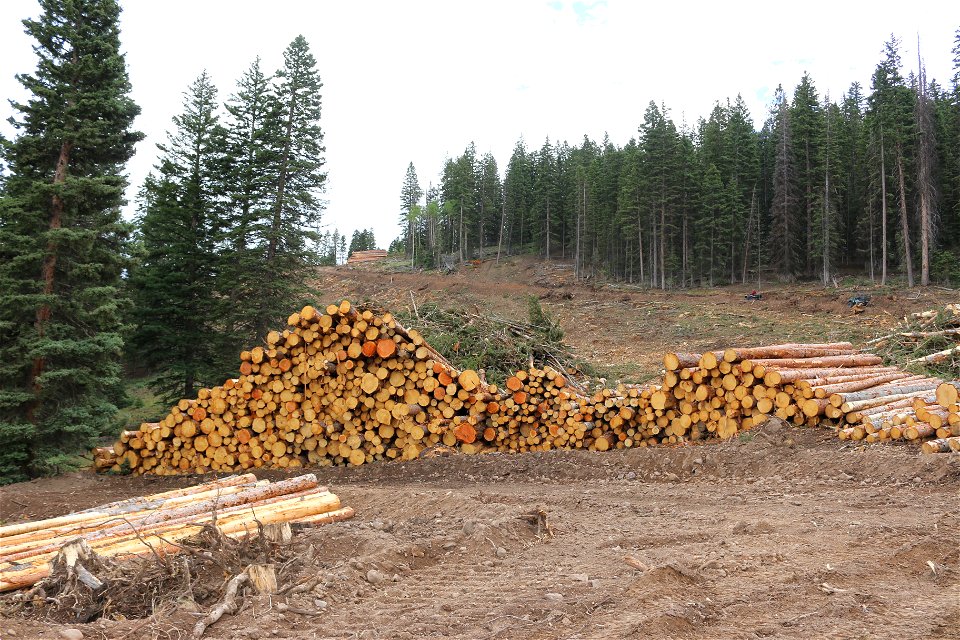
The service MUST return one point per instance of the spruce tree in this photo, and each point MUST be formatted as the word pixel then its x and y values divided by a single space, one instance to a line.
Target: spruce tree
pixel 410 196
pixel 252 146
pixel 62 240
pixel 292 228
pixel 177 329
pixel 785 233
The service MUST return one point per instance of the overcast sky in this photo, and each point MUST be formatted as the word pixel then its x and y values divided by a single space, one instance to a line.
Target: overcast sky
pixel 415 81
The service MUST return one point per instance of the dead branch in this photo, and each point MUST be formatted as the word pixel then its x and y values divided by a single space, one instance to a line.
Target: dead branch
pixel 227 605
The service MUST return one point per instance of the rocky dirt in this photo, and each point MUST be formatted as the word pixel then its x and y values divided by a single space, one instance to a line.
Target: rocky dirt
pixel 782 533
pixel 779 533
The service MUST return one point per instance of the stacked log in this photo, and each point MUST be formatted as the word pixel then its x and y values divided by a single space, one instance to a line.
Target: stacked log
pixel 371 255
pixel 349 386
pixel 723 392
pixel 238 505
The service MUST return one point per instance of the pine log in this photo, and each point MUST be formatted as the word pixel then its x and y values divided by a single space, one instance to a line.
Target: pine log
pixel 939 356
pixel 129 505
pixel 781 351
pixel 948 393
pixel 853 360
pixel 940 445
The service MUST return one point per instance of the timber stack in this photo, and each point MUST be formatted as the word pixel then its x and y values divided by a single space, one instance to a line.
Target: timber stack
pixel 829 385
pixel 238 505
pixel 349 386
pixel 370 255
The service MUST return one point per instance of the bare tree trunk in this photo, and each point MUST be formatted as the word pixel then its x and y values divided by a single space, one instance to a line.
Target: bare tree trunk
pixel 925 170
pixel 548 228
pixel 883 212
pixel 825 222
pixel 576 255
pixel 904 222
pixel 48 270
pixel 503 222
pixel 462 237
pixel 683 252
pixel 663 243
pixel 746 245
pixel 872 258
pixel 640 247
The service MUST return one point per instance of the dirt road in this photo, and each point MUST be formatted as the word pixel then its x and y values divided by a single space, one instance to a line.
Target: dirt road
pixel 783 533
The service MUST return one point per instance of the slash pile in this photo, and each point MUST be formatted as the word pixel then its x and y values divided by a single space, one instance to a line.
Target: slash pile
pixel 352 386
pixel 238 505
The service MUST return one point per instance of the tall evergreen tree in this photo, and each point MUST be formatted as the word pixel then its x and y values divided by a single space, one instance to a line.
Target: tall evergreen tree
pixel 890 118
pixel 785 234
pixel 518 196
pixel 62 239
pixel 806 124
pixel 410 196
pixel 178 333
pixel 292 229
pixel 251 145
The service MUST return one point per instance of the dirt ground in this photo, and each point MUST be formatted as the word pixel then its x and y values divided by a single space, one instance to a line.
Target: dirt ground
pixel 780 533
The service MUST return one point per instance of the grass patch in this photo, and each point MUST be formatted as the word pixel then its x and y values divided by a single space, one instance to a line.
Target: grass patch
pixel 144 405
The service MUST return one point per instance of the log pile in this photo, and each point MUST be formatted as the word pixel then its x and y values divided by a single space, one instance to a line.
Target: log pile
pixel 237 505
pixel 349 386
pixel 371 255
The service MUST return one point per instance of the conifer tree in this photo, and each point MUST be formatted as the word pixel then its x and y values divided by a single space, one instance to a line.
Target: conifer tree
pixel 410 196
pixel 62 239
pixel 177 333
pixel 292 229
pixel 518 197
pixel 783 211
pixel 251 146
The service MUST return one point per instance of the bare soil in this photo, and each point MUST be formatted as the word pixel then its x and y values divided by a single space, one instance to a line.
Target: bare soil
pixel 780 533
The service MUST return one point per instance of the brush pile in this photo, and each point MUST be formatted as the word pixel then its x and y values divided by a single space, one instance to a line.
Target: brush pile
pixel 352 386
pixel 928 340
pixel 156 525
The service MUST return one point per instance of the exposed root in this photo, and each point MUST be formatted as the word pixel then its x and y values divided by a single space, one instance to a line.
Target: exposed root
pixel 227 605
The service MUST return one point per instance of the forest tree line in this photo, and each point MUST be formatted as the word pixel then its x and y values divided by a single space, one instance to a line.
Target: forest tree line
pixel 868 183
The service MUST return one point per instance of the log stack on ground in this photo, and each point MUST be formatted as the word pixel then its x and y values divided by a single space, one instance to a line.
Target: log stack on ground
pixel 237 505
pixel 371 255
pixel 349 386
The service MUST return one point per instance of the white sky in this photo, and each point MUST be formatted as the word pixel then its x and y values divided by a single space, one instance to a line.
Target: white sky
pixel 417 81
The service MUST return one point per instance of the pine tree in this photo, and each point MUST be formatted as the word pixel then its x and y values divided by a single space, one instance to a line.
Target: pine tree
pixel 544 198
pixel 784 236
pixel 855 235
pixel 890 117
pixel 806 125
pixel 62 240
pixel 658 144
pixel 251 148
pixel 518 196
pixel 363 240
pixel 410 196
pixel 292 229
pixel 825 228
pixel 489 199
pixel 177 334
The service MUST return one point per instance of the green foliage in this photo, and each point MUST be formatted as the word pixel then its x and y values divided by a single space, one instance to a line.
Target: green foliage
pixel 230 224
pixel 914 338
pixel 499 346
pixel 62 241
pixel 945 267
pixel 178 332
pixel 362 240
